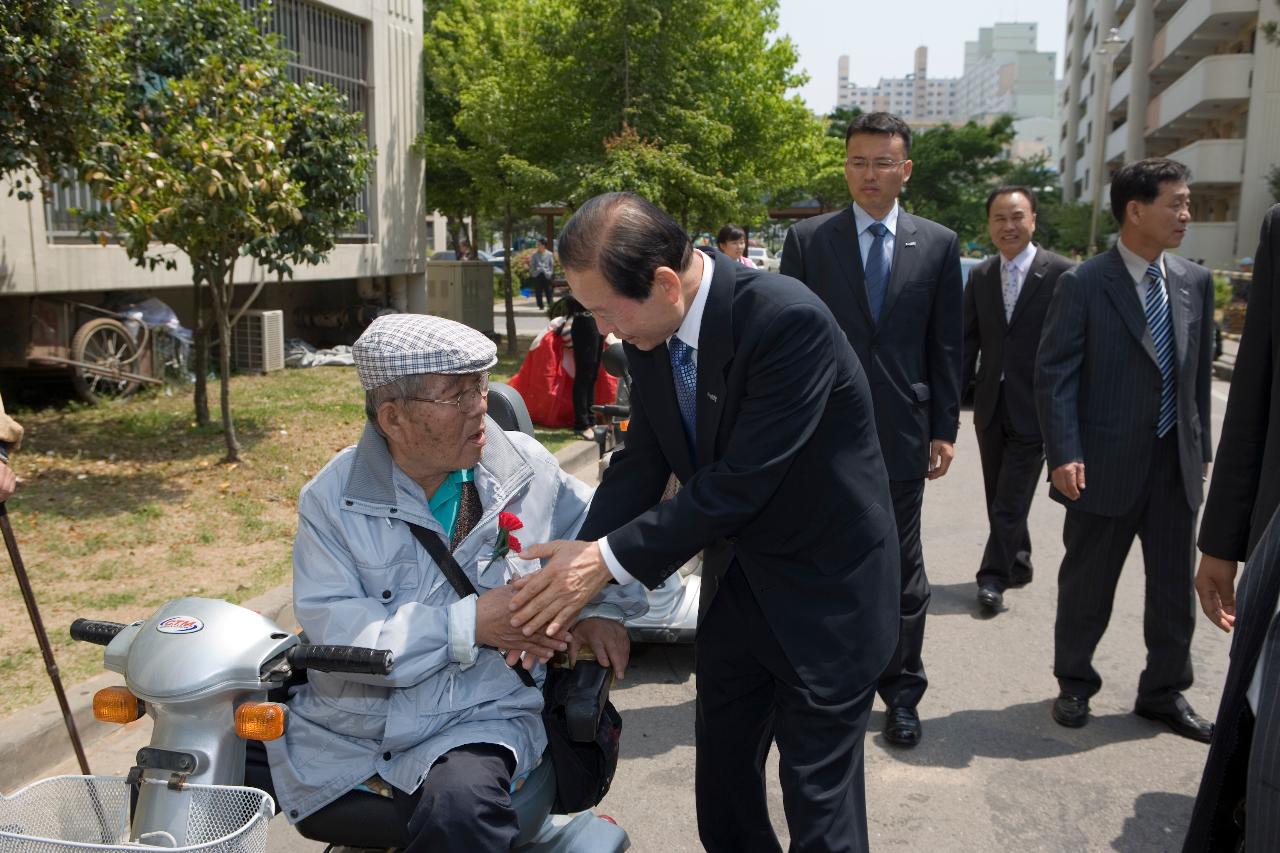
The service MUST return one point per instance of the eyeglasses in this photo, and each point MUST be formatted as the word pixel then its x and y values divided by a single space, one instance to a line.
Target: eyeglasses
pixel 882 164
pixel 467 401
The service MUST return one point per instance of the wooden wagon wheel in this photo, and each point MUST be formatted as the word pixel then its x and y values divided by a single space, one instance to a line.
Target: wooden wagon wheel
pixel 106 343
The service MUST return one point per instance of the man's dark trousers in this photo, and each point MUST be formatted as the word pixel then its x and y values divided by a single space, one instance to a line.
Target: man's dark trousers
pixel 1096 547
pixel 750 696
pixel 1011 466
pixel 541 287
pixel 585 335
pixel 904 681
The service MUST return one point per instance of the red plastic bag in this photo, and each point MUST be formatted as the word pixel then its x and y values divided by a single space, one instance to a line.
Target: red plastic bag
pixel 545 381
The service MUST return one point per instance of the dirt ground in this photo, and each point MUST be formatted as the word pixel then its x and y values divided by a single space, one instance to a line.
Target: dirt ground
pixel 125 505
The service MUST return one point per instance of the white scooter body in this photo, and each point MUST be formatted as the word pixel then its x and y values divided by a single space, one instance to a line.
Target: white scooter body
pixel 196 660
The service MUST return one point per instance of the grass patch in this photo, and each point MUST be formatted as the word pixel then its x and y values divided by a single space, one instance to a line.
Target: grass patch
pixel 126 505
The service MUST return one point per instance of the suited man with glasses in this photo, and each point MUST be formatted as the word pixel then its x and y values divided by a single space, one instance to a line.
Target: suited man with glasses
pixel 892 280
pixel 1122 391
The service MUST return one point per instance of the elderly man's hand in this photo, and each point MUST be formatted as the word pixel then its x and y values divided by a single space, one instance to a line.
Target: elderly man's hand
pixel 608 641
pixel 1215 584
pixel 494 629
pixel 8 482
pixel 554 595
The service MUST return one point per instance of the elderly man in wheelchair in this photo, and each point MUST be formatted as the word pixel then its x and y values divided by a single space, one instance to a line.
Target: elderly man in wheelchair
pixel 434 486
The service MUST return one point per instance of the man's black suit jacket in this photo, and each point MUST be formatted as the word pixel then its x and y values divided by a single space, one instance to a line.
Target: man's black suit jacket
pixel 1008 348
pixel 1241 499
pixel 1098 382
pixel 912 356
pixel 789 479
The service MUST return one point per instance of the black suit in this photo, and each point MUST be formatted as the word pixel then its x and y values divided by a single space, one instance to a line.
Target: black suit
pixel 1004 406
pixel 1240 502
pixel 1098 390
pixel 789 500
pixel 912 357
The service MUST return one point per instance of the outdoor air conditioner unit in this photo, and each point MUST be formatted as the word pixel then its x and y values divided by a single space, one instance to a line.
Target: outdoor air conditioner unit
pixel 257 342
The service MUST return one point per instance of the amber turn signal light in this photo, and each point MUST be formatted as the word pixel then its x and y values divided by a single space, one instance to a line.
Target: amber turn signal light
pixel 116 705
pixel 260 720
pixel 622 425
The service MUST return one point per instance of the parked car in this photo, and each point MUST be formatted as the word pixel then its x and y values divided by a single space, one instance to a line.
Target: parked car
pixel 760 256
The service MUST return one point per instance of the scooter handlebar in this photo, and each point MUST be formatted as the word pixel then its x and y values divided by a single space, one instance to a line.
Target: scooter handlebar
pixel 341 659
pixel 95 631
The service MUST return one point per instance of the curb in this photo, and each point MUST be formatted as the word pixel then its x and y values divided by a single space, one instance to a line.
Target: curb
pixel 34 740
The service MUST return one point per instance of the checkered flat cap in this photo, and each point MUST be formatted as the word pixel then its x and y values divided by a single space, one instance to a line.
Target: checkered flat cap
pixel 398 345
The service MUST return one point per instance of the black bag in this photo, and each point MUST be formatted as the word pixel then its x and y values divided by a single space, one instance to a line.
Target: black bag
pixel 584 730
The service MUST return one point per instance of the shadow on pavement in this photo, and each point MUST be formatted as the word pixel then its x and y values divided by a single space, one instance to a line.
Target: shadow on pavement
pixel 1159 822
pixel 658 664
pixel 1022 732
pixel 956 599
pixel 656 730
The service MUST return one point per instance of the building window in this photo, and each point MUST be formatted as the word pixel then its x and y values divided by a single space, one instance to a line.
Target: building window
pixel 325 46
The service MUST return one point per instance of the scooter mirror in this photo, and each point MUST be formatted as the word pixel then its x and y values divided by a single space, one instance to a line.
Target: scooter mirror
pixel 615 360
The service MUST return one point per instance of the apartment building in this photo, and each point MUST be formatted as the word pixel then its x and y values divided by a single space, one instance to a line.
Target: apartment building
pixel 916 98
pixel 1189 79
pixel 371 51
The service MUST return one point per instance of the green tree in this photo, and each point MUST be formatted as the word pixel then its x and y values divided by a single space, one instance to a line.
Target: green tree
pixel 839 119
pixel 58 59
pixel 953 169
pixel 223 156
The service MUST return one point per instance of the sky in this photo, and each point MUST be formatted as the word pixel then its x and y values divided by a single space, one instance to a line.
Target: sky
pixel 881 37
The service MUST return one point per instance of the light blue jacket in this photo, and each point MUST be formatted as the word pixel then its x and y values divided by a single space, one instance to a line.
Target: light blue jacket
pixel 360 578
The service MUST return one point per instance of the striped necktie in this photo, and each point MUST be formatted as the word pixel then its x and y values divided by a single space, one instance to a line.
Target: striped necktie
pixel 1157 309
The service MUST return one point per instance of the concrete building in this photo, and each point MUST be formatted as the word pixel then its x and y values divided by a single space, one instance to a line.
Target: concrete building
pixel 1003 73
pixel 915 97
pixel 370 50
pixel 1191 79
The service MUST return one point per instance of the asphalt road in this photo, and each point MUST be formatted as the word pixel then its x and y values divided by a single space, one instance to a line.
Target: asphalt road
pixel 993 772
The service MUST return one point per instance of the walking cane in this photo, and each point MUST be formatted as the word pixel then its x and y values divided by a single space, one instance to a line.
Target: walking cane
pixel 28 596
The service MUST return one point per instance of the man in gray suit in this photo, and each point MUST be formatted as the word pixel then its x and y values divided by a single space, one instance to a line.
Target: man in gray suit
pixel 1122 391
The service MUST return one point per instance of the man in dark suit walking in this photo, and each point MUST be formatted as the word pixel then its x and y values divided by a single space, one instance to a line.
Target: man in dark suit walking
pixel 745 388
pixel 1246 736
pixel 1122 390
pixel 1004 306
pixel 892 280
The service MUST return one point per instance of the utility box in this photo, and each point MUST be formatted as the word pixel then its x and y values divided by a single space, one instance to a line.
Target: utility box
pixel 257 342
pixel 462 291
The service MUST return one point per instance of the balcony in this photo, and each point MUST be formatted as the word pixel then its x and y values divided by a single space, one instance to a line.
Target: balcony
pixel 1196 31
pixel 1214 242
pixel 1117 141
pixel 1213 162
pixel 1213 86
pixel 1120 89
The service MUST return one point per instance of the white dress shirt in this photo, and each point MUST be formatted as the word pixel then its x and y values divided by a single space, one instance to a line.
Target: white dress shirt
pixel 1137 267
pixel 863 221
pixel 688 332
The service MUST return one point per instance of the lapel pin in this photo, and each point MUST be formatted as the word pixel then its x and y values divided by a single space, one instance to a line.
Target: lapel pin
pixel 909 245
pixel 713 397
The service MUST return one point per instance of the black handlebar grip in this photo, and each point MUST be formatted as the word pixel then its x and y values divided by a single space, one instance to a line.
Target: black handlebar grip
pixel 612 411
pixel 95 631
pixel 341 659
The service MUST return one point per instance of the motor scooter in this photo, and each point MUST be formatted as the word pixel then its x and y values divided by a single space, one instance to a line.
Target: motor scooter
pixel 203 669
pixel 672 616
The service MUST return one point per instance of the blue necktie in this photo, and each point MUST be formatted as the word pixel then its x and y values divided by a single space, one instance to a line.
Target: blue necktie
pixel 877 269
pixel 685 373
pixel 1157 308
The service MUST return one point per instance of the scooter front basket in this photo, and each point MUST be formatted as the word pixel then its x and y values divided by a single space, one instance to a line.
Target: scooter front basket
pixel 75 814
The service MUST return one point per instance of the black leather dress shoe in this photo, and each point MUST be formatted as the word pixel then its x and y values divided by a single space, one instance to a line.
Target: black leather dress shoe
pixel 902 726
pixel 1071 711
pixel 1179 717
pixel 991 599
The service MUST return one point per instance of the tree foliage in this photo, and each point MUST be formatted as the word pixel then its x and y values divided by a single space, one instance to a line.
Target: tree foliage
pixel 57 58
pixel 220 155
pixel 953 169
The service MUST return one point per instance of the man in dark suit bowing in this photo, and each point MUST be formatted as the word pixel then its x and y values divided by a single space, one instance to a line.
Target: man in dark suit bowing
pixel 1004 307
pixel 746 389
pixel 1122 390
pixel 892 280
